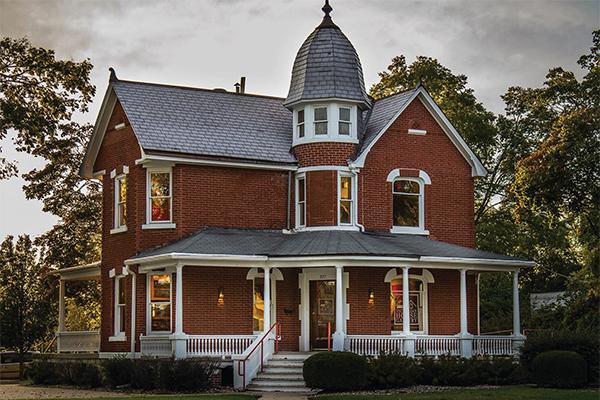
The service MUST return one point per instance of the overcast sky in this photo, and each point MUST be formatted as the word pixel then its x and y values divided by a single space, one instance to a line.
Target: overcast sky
pixel 211 43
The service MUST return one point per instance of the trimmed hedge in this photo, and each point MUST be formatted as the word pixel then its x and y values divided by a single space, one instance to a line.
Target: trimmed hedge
pixel 117 371
pixel 559 369
pixel 335 371
pixel 77 373
pixel 586 344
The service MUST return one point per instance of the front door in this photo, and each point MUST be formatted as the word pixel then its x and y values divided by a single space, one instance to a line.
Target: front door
pixel 322 313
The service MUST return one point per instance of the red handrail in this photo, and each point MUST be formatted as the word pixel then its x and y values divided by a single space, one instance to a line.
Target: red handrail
pixel 277 327
pixel 328 335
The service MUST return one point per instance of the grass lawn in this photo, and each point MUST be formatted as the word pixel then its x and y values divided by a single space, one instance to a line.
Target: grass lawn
pixel 177 397
pixel 505 393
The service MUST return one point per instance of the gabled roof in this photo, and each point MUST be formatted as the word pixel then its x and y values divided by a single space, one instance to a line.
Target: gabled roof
pixel 385 111
pixel 273 244
pixel 198 122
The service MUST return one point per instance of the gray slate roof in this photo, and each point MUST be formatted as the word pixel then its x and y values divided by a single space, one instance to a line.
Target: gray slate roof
pixel 206 122
pixel 318 243
pixel 326 66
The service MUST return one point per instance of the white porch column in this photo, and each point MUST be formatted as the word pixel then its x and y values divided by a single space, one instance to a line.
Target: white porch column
pixel 466 340
pixel 516 307
pixel 339 336
pixel 179 339
pixel 409 340
pixel 267 299
pixel 61 313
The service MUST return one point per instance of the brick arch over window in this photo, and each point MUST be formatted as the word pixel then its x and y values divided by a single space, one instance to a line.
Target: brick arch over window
pixel 409 173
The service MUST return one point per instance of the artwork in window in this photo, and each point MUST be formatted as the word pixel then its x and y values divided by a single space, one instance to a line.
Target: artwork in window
pixel 121 188
pixel 321 121
pixel 406 203
pixel 301 206
pixel 258 310
pixel 300 123
pixel 160 196
pixel 415 307
pixel 344 121
pixel 345 199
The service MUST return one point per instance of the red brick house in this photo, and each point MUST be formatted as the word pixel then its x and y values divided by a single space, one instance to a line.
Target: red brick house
pixel 226 213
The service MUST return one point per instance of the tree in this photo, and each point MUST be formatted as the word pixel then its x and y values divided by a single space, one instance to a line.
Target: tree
pixel 27 300
pixel 37 93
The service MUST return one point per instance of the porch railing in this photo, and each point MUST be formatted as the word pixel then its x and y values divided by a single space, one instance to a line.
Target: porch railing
pixel 78 341
pixel 437 345
pixel 493 345
pixel 372 345
pixel 217 346
pixel 251 361
pixel 159 346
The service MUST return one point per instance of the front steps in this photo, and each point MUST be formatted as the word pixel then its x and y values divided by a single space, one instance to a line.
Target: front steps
pixel 282 373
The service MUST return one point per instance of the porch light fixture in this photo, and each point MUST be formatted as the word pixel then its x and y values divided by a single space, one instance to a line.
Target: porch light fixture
pixel 221 297
pixel 371 296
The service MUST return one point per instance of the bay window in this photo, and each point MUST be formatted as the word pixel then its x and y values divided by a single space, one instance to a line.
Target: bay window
pixel 300 123
pixel 300 201
pixel 320 118
pixel 159 196
pixel 345 199
pixel 159 303
pixel 344 121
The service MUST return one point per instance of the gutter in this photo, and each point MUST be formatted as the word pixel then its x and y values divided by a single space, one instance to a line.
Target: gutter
pixel 133 310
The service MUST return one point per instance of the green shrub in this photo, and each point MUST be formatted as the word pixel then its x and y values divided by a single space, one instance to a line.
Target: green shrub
pixel 191 375
pixel 559 369
pixel 82 374
pixel 172 375
pixel 586 344
pixel 335 371
pixel 393 370
pixel 145 374
pixel 117 371
pixel 43 372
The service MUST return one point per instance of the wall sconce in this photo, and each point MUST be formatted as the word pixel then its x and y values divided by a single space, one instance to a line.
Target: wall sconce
pixel 221 297
pixel 371 296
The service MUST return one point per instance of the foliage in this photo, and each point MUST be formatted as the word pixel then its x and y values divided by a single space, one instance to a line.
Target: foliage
pixel 393 370
pixel 77 373
pixel 586 344
pixel 27 301
pixel 335 371
pixel 559 369
pixel 117 371
pixel 81 313
pixel 38 93
pixel 43 372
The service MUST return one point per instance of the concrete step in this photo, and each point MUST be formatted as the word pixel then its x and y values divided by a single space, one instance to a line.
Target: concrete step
pixel 290 356
pixel 285 363
pixel 282 370
pixel 290 389
pixel 279 378
pixel 278 383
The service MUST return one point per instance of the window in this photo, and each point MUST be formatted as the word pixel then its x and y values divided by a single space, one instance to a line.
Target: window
pixel 300 202
pixel 407 203
pixel 320 120
pixel 120 300
pixel 160 303
pixel 120 202
pixel 300 124
pixel 258 305
pixel 416 298
pixel 344 121
pixel 159 200
pixel 345 199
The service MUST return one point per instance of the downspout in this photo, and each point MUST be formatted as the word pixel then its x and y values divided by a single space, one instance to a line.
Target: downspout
pixel 133 311
pixel 289 199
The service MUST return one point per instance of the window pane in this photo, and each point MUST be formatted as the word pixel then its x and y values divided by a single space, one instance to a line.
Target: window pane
pixel 122 295
pixel 321 128
pixel 344 128
pixel 345 212
pixel 122 214
pixel 121 318
pixel 405 186
pixel 344 114
pixel 345 187
pixel 122 190
pixel 301 214
pixel 160 288
pixel 161 317
pixel 258 313
pixel 415 308
pixel 406 210
pixel 301 130
pixel 321 114
pixel 300 116
pixel 300 189
pixel 161 209
pixel 159 184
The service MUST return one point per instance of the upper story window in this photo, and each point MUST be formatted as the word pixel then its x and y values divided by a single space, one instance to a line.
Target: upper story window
pixel 345 199
pixel 407 199
pixel 120 202
pixel 120 300
pixel 344 123
pixel 159 303
pixel 320 118
pixel 159 199
pixel 300 201
pixel 300 124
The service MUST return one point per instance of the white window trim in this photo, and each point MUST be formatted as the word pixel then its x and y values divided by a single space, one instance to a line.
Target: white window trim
pixel 301 176
pixel 118 330
pixel 417 230
pixel 424 302
pixel 149 330
pixel 332 123
pixel 349 122
pixel 298 124
pixel 314 121
pixel 116 227
pixel 158 224
pixel 352 198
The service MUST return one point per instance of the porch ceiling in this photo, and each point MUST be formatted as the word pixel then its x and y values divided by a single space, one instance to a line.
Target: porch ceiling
pixel 276 245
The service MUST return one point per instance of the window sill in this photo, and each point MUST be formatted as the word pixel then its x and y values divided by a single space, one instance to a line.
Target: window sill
pixel 409 230
pixel 327 228
pixel 117 338
pixel 325 138
pixel 120 229
pixel 161 225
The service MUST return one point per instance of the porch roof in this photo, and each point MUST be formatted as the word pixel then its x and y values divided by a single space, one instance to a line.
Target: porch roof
pixel 277 244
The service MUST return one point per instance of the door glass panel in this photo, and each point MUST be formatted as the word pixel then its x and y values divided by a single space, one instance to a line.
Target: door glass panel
pixel 322 310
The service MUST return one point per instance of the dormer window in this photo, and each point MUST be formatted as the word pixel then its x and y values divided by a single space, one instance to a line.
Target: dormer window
pixel 300 124
pixel 320 120
pixel 344 123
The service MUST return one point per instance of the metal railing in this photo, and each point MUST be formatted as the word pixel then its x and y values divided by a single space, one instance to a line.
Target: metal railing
pixel 250 355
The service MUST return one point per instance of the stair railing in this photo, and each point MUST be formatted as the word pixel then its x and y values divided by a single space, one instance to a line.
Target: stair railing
pixel 258 343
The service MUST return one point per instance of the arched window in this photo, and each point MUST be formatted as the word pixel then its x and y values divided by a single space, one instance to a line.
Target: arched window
pixel 407 203
pixel 416 288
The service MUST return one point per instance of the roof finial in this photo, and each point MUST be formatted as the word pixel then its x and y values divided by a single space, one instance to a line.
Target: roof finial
pixel 113 75
pixel 327 22
pixel 327 9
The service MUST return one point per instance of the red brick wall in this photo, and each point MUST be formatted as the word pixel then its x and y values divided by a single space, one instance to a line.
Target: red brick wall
pixel 288 299
pixel 321 198
pixel 449 199
pixel 323 153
